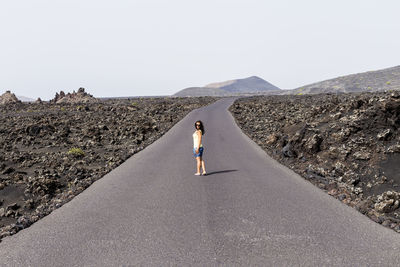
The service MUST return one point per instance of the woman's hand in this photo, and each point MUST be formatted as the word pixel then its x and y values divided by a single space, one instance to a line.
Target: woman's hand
pixel 197 151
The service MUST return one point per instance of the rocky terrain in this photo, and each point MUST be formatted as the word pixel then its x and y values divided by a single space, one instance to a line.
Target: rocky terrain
pixel 346 144
pixel 385 79
pixel 250 85
pixel 50 152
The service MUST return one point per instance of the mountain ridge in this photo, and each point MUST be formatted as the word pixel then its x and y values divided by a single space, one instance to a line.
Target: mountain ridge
pixel 368 81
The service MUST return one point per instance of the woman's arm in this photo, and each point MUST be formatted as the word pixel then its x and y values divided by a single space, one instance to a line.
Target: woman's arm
pixel 199 135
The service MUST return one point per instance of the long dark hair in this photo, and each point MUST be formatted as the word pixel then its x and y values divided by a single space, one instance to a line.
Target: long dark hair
pixel 201 127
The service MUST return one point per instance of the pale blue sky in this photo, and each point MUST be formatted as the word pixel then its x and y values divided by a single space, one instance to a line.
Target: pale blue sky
pixel 154 47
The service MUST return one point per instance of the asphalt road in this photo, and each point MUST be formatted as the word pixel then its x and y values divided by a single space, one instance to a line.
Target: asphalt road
pixel 249 210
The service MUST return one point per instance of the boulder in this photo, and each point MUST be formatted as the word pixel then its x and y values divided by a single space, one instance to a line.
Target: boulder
pixel 387 202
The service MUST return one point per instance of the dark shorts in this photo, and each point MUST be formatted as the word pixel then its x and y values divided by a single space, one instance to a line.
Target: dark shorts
pixel 200 154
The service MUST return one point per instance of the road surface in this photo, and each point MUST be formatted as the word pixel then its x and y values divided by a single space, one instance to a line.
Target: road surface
pixel 153 211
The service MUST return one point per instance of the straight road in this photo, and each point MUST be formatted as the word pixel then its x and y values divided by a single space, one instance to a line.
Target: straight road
pixel 153 211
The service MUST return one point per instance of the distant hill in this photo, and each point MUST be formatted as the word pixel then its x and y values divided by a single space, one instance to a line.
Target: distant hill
pixel 25 99
pixel 248 85
pixel 385 79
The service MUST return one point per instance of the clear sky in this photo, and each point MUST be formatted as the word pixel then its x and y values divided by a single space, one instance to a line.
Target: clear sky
pixel 154 47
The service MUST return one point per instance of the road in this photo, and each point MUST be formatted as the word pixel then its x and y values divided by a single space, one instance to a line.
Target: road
pixel 250 210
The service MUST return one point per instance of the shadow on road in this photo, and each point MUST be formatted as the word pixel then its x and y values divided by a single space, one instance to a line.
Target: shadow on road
pixel 216 172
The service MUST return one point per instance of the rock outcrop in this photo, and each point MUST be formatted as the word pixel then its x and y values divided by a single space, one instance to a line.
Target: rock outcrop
pixel 75 97
pixel 8 98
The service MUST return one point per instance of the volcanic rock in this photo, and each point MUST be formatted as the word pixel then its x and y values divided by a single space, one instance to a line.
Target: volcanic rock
pixel 49 152
pixel 75 97
pixel 387 202
pixel 8 98
pixel 346 144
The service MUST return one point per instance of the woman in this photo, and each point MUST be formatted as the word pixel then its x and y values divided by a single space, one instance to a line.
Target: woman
pixel 198 147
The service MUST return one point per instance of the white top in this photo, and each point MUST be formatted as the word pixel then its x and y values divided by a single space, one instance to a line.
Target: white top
pixel 196 140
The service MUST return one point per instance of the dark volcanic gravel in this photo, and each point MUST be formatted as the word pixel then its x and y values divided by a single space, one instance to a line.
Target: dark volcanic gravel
pixel 347 144
pixel 50 152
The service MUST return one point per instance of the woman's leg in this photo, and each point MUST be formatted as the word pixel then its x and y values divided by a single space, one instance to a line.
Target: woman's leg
pixel 203 165
pixel 198 159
